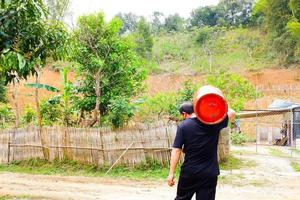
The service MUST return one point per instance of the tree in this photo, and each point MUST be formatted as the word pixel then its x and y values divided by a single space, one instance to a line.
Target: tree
pixel 280 21
pixel 206 39
pixel 57 9
pixel 3 98
pixel 204 16
pixel 294 24
pixel 157 22
pixel 174 23
pixel 143 39
pixel 108 65
pixel 235 12
pixel 226 13
pixel 21 34
pixel 129 22
pixel 27 38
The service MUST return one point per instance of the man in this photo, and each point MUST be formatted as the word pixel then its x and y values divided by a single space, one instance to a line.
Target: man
pixel 200 170
pixel 186 110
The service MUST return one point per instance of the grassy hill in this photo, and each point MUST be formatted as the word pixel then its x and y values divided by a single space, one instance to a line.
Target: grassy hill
pixel 179 56
pixel 234 50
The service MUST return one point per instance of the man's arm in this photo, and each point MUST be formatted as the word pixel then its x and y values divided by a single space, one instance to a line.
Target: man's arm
pixel 175 156
pixel 231 114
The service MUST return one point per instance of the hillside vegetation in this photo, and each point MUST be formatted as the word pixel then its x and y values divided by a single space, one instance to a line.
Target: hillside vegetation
pixel 236 49
pixel 109 60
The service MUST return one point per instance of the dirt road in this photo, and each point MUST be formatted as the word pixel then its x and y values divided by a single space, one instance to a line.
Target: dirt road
pixel 271 179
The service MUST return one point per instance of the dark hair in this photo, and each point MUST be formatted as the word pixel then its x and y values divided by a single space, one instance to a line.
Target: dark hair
pixel 186 107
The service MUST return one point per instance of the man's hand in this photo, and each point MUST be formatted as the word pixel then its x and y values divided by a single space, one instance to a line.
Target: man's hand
pixel 170 180
pixel 231 114
pixel 175 155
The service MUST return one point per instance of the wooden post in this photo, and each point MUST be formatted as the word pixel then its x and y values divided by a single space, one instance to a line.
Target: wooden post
pixel 66 141
pixel 8 151
pixel 43 144
pixel 102 146
pixel 223 145
pixel 169 144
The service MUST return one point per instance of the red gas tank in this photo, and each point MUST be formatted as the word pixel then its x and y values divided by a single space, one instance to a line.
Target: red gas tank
pixel 210 105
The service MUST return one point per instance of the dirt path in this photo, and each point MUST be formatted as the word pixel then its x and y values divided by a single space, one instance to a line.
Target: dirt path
pixel 57 187
pixel 271 179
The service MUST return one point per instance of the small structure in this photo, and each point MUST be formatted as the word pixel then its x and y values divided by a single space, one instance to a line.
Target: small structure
pixel 278 124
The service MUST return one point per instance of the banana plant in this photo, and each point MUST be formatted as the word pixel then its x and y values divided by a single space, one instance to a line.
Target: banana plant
pixel 66 94
pixel 42 86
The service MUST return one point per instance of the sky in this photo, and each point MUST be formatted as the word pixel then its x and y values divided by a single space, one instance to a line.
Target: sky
pixel 139 7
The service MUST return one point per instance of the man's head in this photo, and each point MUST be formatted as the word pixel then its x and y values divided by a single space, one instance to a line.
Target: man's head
pixel 186 109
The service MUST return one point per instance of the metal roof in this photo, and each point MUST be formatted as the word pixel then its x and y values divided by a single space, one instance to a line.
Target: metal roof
pixel 278 106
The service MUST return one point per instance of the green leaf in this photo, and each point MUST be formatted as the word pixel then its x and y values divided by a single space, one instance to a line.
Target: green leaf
pixel 42 86
pixel 21 60
pixel 294 28
pixel 5 51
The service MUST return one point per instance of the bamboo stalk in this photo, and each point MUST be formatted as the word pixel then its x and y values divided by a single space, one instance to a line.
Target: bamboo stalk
pixel 8 152
pixel 119 158
pixel 90 148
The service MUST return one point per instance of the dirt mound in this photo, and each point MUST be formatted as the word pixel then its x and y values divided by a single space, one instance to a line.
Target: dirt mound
pixel 274 78
pixel 25 95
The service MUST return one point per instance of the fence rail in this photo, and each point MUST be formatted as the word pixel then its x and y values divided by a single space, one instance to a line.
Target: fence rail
pixel 97 146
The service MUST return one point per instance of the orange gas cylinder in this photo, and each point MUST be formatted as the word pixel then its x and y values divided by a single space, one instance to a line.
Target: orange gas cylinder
pixel 210 105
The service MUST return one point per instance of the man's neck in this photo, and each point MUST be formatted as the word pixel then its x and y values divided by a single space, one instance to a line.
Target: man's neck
pixel 193 115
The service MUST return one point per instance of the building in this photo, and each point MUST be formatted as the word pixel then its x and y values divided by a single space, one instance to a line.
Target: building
pixel 278 124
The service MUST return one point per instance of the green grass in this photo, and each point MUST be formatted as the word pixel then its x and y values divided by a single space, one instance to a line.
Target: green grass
pixel 231 51
pixel 236 163
pixel 23 197
pixel 276 152
pixel 242 152
pixel 239 180
pixel 297 151
pixel 296 166
pixel 231 179
pixel 150 169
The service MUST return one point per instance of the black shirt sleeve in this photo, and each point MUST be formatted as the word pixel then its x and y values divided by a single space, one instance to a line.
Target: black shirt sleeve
pixel 223 124
pixel 178 142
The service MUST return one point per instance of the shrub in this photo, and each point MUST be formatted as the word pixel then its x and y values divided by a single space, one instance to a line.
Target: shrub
pixel 6 115
pixel 185 94
pixel 120 111
pixel 29 115
pixel 238 138
pixel 204 35
pixel 156 108
pixel 51 111
pixel 235 88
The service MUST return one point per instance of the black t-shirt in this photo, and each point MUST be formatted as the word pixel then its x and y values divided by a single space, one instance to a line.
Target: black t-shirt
pixel 200 145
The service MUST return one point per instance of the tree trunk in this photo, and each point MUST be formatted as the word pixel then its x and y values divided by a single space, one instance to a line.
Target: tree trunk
pixel 210 60
pixel 39 116
pixel 15 98
pixel 208 52
pixel 66 96
pixel 37 103
pixel 96 113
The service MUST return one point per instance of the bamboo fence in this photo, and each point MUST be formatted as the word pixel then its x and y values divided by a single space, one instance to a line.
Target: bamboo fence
pixel 94 145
